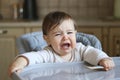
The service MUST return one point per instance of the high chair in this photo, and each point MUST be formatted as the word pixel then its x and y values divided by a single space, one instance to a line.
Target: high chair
pixel 34 41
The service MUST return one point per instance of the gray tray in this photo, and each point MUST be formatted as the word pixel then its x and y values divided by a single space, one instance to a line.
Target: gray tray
pixel 67 71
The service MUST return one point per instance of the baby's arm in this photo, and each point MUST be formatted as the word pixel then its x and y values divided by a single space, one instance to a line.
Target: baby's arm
pixel 107 63
pixel 17 65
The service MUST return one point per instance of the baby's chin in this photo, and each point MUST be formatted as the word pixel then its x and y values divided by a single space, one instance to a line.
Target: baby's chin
pixel 66 51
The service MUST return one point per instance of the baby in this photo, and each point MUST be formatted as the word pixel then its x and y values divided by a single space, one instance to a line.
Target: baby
pixel 59 31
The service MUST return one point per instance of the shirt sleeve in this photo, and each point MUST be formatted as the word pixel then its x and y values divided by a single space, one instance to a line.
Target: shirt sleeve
pixel 36 57
pixel 92 55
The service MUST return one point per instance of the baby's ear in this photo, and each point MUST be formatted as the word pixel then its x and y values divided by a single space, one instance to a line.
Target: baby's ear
pixel 75 31
pixel 46 39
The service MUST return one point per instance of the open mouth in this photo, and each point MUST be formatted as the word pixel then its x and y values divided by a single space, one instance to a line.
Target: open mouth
pixel 65 45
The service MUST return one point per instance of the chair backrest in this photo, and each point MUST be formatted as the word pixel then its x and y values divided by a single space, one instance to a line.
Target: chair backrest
pixel 34 41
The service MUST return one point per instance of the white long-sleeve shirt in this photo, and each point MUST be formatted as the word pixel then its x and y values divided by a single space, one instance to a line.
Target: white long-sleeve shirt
pixel 80 53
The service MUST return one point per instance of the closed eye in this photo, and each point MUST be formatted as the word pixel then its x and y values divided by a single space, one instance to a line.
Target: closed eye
pixel 57 34
pixel 71 32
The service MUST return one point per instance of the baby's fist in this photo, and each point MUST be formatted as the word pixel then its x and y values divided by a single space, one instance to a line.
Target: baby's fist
pixel 107 63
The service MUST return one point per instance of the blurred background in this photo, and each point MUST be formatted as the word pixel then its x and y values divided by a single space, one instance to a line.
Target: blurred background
pixel 17 17
pixel 79 9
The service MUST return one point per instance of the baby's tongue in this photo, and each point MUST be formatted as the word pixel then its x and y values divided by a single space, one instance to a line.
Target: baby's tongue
pixel 65 46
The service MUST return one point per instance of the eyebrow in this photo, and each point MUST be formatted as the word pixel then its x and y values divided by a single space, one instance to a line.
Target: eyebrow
pixel 55 32
pixel 61 31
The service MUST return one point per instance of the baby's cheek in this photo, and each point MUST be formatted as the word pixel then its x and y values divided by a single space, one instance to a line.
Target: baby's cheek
pixel 74 45
pixel 73 42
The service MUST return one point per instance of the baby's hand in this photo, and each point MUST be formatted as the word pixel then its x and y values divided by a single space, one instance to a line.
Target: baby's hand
pixel 107 63
pixel 17 65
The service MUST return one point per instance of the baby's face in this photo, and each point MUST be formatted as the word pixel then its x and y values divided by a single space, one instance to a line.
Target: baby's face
pixel 62 38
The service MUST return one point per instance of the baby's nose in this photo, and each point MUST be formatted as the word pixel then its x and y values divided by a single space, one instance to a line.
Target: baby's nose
pixel 65 36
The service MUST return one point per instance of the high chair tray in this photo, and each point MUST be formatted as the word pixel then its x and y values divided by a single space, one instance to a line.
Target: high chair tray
pixel 68 71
